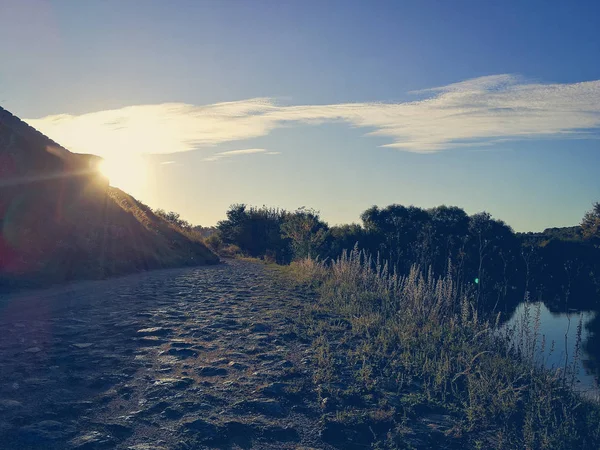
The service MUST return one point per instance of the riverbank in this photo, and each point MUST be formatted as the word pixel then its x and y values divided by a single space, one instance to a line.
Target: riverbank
pixel 407 363
pixel 271 357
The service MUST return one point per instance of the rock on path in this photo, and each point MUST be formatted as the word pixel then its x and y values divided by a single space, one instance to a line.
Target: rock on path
pixel 177 359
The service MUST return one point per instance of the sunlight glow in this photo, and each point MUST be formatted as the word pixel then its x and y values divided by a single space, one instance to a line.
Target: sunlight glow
pixel 127 173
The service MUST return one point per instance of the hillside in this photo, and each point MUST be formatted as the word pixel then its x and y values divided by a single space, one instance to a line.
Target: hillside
pixel 59 219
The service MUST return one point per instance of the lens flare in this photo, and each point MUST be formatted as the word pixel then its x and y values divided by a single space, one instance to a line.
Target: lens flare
pixel 126 173
pixel 104 168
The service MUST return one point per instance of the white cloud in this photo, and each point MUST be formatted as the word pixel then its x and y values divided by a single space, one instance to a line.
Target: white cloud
pixel 246 151
pixel 478 112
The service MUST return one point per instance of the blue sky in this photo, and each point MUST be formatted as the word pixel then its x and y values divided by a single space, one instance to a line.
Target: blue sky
pixel 324 111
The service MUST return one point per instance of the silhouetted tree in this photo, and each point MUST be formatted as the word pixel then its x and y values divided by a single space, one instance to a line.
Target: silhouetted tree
pixel 493 258
pixel 445 237
pixel 344 237
pixel 591 224
pixel 256 231
pixel 396 233
pixel 306 232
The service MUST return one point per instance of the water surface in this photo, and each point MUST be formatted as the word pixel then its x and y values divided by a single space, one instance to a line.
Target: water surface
pixel 557 341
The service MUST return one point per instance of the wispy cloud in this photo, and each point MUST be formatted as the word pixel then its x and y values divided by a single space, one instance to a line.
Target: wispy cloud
pixel 232 153
pixel 476 112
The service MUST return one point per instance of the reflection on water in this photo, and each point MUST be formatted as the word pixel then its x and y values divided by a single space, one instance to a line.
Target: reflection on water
pixel 591 347
pixel 560 332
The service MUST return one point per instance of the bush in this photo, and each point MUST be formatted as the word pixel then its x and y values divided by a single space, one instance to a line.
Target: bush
pixel 305 231
pixel 256 231
pixel 230 250
pixel 173 218
pixel 214 242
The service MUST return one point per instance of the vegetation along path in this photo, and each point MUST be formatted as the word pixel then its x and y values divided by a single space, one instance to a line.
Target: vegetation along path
pixel 176 359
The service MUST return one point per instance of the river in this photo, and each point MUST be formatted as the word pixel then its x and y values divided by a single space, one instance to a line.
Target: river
pixel 557 341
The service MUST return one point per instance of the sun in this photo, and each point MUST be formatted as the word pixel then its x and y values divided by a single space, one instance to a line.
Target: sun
pixel 126 173
pixel 104 168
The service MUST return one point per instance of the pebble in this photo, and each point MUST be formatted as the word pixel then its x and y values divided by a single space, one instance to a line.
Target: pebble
pixel 92 440
pixel 83 345
pixel 159 364
pixel 33 350
pixel 209 371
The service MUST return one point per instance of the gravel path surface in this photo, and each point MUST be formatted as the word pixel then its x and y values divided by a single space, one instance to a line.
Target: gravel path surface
pixel 176 359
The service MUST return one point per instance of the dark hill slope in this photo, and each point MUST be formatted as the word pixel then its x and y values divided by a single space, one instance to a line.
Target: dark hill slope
pixel 59 219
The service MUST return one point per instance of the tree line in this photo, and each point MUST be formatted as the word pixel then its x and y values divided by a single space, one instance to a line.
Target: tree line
pixel 481 253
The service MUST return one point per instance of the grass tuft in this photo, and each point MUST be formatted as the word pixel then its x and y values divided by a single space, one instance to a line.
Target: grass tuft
pixel 413 352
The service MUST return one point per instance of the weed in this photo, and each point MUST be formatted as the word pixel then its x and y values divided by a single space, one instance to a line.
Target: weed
pixel 422 337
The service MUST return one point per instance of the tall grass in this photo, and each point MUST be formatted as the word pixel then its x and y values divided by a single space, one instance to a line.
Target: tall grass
pixel 420 337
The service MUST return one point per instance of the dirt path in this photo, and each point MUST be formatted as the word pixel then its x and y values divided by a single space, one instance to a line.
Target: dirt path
pixel 176 359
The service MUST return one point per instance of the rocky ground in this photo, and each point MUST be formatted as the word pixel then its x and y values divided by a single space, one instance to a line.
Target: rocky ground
pixel 177 359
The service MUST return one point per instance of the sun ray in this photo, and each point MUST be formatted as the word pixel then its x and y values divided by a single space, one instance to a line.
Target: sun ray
pixel 126 173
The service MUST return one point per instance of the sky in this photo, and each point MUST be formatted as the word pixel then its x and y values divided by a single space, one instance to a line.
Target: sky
pixel 334 105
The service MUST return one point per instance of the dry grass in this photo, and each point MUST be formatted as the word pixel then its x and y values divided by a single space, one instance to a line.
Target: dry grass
pixel 415 337
pixel 91 233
